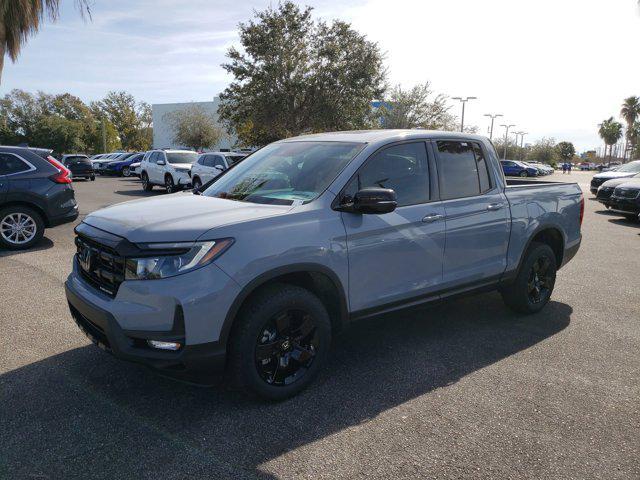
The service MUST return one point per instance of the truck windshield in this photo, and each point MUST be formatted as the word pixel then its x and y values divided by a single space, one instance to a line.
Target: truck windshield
pixel 285 173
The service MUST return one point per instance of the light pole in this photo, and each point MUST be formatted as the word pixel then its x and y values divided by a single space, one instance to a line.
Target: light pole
pixel 463 101
pixel 522 134
pixel 506 138
pixel 493 116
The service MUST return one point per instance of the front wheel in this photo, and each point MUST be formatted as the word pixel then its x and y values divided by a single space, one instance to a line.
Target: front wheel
pixel 146 185
pixel 20 227
pixel 280 342
pixel 92 178
pixel 169 186
pixel 196 184
pixel 533 286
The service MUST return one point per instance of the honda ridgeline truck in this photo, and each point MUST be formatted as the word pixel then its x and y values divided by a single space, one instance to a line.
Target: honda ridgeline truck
pixel 254 273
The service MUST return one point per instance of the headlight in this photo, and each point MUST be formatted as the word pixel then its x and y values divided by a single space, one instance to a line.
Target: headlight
pixel 187 257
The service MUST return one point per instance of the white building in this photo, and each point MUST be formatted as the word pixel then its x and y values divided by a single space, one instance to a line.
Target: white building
pixel 163 131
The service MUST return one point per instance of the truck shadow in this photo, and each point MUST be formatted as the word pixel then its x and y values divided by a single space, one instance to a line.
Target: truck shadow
pixel 84 411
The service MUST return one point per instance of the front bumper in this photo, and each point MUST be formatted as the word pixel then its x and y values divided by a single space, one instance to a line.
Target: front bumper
pixel 625 206
pixel 158 310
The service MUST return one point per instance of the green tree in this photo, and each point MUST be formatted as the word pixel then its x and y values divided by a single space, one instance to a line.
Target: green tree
pixel 295 75
pixel 131 119
pixel 19 19
pixel 417 107
pixel 543 150
pixel 566 151
pixel 193 127
pixel 611 132
pixel 60 134
pixel 630 111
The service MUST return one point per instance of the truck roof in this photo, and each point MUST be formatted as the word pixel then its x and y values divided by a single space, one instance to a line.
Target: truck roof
pixel 374 136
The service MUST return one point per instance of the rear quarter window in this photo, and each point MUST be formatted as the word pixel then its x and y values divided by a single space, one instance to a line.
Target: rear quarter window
pixel 10 164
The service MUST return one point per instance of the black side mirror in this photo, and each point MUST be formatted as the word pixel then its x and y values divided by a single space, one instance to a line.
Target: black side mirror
pixel 375 200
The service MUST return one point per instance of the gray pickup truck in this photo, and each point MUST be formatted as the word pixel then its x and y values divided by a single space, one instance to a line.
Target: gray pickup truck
pixel 255 272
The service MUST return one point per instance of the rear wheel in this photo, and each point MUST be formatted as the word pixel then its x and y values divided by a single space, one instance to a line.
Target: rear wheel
pixel 126 172
pixel 169 186
pixel 20 227
pixel 146 185
pixel 280 342
pixel 93 178
pixel 533 286
pixel 524 173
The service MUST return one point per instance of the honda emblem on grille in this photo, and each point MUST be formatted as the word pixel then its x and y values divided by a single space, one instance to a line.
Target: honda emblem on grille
pixel 84 258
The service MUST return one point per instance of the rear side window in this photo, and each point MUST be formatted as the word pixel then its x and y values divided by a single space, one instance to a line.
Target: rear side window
pixel 10 164
pixel 458 168
pixel 483 168
pixel 403 168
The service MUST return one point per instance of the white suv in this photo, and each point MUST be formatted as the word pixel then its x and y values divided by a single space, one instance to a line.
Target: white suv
pixel 168 168
pixel 212 164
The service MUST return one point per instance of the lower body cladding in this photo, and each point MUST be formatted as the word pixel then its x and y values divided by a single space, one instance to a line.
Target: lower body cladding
pixel 184 314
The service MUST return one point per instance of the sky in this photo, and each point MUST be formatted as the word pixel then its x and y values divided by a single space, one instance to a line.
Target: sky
pixel 554 68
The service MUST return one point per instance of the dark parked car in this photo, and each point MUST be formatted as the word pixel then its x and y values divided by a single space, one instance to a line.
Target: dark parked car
pixel 80 166
pixel 35 192
pixel 511 168
pixel 627 170
pixel 605 190
pixel 122 166
pixel 626 199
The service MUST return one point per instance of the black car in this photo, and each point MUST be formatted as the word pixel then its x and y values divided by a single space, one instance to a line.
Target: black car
pixel 80 166
pixel 605 190
pixel 626 199
pixel 35 192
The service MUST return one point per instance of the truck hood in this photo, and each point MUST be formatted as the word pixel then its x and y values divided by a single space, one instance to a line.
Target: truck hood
pixel 614 174
pixel 619 181
pixel 181 217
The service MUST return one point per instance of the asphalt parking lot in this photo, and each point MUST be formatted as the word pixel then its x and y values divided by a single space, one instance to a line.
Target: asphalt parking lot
pixel 459 390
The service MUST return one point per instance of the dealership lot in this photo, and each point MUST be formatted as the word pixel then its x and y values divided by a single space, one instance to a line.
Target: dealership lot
pixel 462 389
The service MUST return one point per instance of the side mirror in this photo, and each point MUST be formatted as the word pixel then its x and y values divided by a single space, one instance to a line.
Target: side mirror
pixel 375 200
pixel 161 162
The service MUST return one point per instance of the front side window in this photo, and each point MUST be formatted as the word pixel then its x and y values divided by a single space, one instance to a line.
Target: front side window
pixel 402 168
pixel 10 164
pixel 218 161
pixel 285 173
pixel 458 170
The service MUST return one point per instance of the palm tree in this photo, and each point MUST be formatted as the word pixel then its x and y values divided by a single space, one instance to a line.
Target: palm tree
pixel 630 111
pixel 20 19
pixel 611 132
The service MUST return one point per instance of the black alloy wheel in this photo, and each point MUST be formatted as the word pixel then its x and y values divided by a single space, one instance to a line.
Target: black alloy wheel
pixel 168 184
pixel 541 280
pixel 286 347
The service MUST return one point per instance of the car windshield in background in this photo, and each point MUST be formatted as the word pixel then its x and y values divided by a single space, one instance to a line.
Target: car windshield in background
pixel 629 167
pixel 285 173
pixel 182 157
pixel 231 159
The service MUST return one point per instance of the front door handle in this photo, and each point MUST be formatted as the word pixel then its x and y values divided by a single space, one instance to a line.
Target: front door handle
pixel 495 206
pixel 432 217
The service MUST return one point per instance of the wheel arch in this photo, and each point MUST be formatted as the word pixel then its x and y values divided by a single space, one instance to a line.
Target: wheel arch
pixel 33 206
pixel 318 279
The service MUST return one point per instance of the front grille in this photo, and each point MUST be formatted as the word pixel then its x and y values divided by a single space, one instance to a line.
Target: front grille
pixel 92 330
pixel 100 266
pixel 596 182
pixel 626 193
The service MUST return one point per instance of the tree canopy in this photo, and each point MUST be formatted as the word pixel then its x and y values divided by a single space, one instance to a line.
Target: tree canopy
pixel 295 75
pixel 566 150
pixel 194 128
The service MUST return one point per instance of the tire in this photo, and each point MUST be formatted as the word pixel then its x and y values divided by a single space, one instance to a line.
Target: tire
pixel 92 178
pixel 126 172
pixel 146 185
pixel 258 324
pixel 524 174
pixel 196 183
pixel 32 227
pixel 520 296
pixel 169 185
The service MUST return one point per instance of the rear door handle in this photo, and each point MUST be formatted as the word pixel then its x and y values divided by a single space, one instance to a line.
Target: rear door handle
pixel 432 217
pixel 495 206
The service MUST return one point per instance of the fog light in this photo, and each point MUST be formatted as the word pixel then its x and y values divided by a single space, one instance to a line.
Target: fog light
pixel 164 345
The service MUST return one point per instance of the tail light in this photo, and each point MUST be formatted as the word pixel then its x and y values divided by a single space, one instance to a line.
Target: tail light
pixel 581 208
pixel 63 175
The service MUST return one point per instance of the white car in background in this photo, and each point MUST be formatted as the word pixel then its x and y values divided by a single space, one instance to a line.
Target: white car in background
pixel 542 167
pixel 212 164
pixel 168 168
